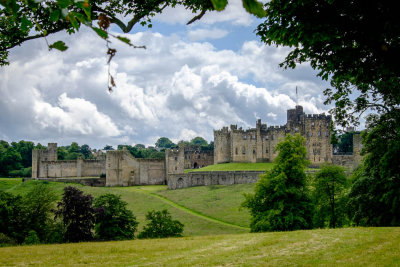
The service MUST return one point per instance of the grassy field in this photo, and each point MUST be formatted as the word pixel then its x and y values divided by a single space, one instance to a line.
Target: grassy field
pixel 335 247
pixel 217 201
pixel 235 167
pixel 141 200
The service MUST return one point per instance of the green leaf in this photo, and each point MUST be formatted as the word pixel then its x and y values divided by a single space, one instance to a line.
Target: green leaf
pixel 73 21
pixel 124 39
pixel 59 45
pixel 55 15
pixel 25 24
pixel 63 3
pixel 101 33
pixel 80 17
pixel 219 5
pixel 254 7
pixel 85 6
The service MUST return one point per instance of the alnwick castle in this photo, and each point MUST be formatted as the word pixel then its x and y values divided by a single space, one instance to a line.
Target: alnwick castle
pixel 231 144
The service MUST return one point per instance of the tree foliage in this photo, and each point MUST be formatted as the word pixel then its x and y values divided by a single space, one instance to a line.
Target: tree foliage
pixel 113 220
pixel 25 20
pixel 164 142
pixel 281 200
pixel 329 192
pixel 354 44
pixel 374 196
pixel 77 214
pixel 161 225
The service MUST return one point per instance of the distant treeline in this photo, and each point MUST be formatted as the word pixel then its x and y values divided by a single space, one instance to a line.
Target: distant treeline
pixel 16 158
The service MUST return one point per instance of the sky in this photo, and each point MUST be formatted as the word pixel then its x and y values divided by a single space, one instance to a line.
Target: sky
pixel 189 81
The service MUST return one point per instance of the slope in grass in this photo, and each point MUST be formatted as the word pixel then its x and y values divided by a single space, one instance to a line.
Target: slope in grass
pixel 140 203
pixel 217 201
pixel 235 167
pixel 335 247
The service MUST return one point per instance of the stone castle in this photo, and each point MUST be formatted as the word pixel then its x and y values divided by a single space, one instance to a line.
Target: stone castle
pixel 258 144
pixel 230 145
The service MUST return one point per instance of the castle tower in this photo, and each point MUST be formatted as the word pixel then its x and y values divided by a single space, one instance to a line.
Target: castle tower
pixel 175 160
pixel 222 146
pixel 357 147
pixel 38 155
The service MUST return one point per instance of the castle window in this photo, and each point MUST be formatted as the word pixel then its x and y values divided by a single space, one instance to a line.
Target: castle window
pixel 236 151
pixel 243 150
pixel 244 137
pixel 266 137
pixel 326 134
pixel 312 124
pixel 198 156
pixel 253 137
pixel 272 137
pixel 311 134
pixel 176 168
pixel 176 158
pixel 266 151
pixel 319 133
pixel 254 151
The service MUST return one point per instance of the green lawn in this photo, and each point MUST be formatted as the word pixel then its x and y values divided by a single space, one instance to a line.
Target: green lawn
pixel 217 201
pixel 235 167
pixel 334 247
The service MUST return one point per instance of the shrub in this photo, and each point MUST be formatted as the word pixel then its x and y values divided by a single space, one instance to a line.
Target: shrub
pixel 6 240
pixel 161 225
pixel 32 238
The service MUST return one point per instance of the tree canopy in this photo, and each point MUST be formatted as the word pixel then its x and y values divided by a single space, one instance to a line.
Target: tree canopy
pixel 281 200
pixel 26 20
pixel 354 44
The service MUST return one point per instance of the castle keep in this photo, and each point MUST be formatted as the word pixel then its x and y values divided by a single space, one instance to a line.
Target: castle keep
pixel 258 144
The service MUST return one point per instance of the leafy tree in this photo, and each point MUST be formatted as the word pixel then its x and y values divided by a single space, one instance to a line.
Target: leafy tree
pixel 12 217
pixel 38 206
pixel 345 143
pixel 21 21
pixel 24 148
pixel 330 184
pixel 281 200
pixel 355 45
pixel 10 159
pixel 374 195
pixel 161 225
pixel 61 153
pixel 164 142
pixel 108 147
pixel 139 146
pixel 115 222
pixel 198 141
pixel 77 214
pixel 85 151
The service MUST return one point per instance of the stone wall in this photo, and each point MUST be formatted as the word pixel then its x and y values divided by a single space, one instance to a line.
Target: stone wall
pixel 122 169
pixel 177 181
pixel 46 165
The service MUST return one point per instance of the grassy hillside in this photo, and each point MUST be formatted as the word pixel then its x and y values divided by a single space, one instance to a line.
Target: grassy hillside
pixel 217 201
pixel 235 167
pixel 335 247
pixel 140 201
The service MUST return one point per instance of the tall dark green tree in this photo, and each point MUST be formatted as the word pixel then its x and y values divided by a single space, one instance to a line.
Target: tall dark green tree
pixel 164 142
pixel 330 184
pixel 354 44
pixel 114 221
pixel 374 196
pixel 281 201
pixel 77 214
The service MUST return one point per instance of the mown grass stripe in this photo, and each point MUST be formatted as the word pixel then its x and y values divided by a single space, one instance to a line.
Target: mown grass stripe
pixel 193 212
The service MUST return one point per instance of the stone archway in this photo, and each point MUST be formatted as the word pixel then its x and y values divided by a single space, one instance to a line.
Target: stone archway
pixel 195 165
pixel 179 183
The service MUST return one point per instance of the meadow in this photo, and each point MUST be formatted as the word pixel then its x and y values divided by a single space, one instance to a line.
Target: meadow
pixel 329 247
pixel 216 234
